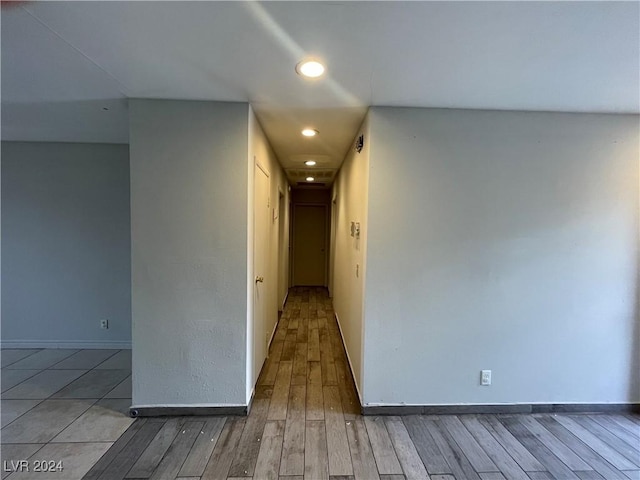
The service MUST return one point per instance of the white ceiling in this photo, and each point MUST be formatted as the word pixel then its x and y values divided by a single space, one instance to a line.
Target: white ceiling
pixel 63 62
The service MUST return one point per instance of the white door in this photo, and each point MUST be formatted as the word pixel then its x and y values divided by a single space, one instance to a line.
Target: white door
pixel 309 245
pixel 260 267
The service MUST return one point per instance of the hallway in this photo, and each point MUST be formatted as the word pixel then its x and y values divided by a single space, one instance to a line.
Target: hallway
pixel 305 394
pixel 305 424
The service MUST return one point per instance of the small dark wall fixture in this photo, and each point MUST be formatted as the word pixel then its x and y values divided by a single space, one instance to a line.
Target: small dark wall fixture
pixel 359 143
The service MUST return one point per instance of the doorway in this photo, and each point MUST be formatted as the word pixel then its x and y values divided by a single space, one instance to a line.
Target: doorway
pixel 262 280
pixel 309 245
pixel 283 249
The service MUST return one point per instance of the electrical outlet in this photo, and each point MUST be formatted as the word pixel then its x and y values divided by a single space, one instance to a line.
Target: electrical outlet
pixel 485 377
pixel 104 324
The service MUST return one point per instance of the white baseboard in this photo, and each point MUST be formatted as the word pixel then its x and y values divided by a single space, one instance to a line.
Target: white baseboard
pixel 273 334
pixel 286 295
pixel 64 344
pixel 344 344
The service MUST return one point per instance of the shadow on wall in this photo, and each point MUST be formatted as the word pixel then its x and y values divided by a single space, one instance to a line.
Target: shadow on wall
pixel 101 120
pixel 66 245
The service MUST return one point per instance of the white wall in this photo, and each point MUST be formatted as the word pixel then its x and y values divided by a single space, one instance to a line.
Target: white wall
pixel 262 152
pixel 350 192
pixel 65 245
pixel 189 257
pixel 504 241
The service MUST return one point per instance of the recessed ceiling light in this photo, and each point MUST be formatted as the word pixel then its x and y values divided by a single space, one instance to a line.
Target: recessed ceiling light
pixel 310 68
pixel 309 132
pixel 310 163
pixel 310 179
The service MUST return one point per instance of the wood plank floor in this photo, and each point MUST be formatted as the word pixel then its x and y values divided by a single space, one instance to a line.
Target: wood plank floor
pixel 305 424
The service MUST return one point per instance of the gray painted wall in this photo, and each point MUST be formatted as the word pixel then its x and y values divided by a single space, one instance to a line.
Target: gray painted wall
pixel 189 184
pixel 504 241
pixel 65 245
pixel 350 201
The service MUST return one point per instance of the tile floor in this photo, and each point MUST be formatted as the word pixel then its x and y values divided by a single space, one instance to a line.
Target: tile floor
pixel 62 405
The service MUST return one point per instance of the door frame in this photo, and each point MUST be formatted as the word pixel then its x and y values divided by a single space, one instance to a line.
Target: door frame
pixel 253 282
pixel 283 250
pixel 332 243
pixel 293 240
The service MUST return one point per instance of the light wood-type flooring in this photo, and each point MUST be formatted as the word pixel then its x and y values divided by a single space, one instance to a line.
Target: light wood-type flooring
pixel 305 423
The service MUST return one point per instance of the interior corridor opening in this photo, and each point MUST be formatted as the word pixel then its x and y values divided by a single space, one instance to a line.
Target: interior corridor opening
pixel 310 227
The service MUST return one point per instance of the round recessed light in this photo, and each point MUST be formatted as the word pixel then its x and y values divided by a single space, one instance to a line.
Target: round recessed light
pixel 310 163
pixel 310 68
pixel 310 179
pixel 309 132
